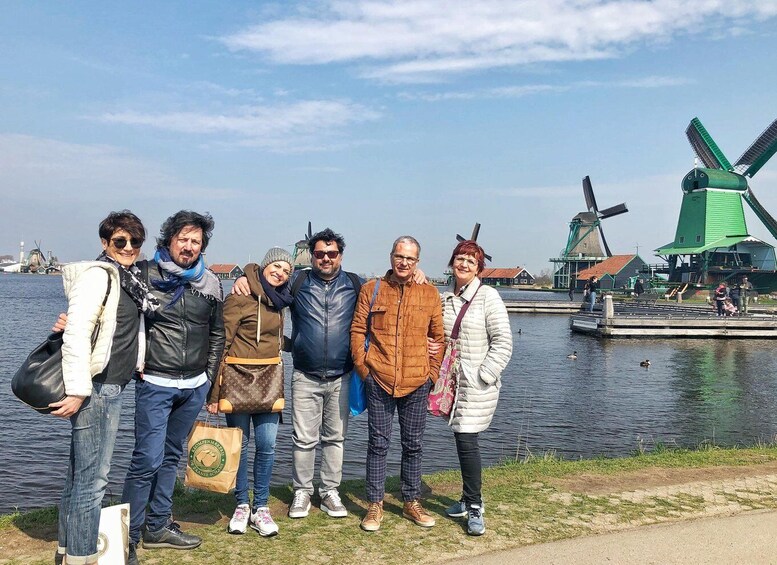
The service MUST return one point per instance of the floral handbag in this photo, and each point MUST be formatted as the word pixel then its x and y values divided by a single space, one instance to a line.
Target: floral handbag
pixel 442 397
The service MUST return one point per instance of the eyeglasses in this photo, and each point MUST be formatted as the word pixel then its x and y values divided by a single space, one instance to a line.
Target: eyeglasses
pixel 405 258
pixel 121 242
pixel 322 254
pixel 465 259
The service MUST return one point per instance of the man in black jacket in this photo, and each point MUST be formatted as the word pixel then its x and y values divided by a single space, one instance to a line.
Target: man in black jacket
pixel 185 341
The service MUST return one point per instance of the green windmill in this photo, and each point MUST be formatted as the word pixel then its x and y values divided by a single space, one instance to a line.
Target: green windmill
pixel 712 242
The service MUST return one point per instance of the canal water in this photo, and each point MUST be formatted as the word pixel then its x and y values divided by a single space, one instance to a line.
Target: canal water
pixel 601 404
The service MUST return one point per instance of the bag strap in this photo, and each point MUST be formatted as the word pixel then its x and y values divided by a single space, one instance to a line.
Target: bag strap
pixel 464 308
pixel 98 325
pixel 369 316
pixel 301 278
pixel 355 281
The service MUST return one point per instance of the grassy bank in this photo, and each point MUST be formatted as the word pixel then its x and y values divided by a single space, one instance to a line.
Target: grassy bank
pixel 528 502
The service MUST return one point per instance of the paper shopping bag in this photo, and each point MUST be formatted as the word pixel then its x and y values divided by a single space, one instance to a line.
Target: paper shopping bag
pixel 113 539
pixel 214 456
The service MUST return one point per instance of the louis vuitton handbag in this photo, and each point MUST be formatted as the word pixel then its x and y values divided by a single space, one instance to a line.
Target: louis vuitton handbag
pixel 250 388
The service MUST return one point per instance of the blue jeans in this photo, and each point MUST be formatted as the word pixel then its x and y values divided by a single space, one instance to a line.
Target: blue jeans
pixel 163 419
pixel 265 431
pixel 592 296
pixel 91 448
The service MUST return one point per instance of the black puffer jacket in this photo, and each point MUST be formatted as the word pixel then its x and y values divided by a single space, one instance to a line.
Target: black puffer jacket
pixel 321 316
pixel 185 339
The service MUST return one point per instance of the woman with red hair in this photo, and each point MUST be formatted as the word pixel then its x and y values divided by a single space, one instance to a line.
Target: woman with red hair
pixel 485 347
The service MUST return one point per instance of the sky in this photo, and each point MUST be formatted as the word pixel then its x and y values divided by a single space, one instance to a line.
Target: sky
pixel 375 118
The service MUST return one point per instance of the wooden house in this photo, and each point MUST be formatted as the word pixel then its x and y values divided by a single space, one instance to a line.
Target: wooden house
pixel 506 277
pixel 226 271
pixel 613 272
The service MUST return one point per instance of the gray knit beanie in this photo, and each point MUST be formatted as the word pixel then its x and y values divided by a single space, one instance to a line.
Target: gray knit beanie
pixel 277 254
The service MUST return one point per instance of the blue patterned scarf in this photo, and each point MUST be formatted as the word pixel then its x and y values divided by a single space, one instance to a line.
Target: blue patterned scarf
pixel 175 278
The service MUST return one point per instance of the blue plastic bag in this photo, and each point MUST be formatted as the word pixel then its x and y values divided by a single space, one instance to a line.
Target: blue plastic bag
pixel 357 399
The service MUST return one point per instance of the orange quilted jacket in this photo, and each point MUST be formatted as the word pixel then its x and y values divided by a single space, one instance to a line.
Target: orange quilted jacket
pixel 402 318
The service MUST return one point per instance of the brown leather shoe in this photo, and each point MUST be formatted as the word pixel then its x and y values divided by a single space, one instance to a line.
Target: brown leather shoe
pixel 414 512
pixel 371 522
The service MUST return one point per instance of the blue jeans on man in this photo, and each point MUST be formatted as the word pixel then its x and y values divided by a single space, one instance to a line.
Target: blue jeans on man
pixel 91 448
pixel 164 417
pixel 412 422
pixel 592 297
pixel 265 428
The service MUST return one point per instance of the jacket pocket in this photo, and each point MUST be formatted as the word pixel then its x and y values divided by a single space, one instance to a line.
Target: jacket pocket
pixel 378 318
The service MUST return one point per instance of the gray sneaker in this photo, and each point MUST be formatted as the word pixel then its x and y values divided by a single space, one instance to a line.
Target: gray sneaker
pixel 457 509
pixel 300 506
pixel 332 505
pixel 170 536
pixel 476 526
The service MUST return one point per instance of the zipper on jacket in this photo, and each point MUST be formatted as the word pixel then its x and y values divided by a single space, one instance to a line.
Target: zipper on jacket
pixel 184 333
pixel 396 336
pixel 326 329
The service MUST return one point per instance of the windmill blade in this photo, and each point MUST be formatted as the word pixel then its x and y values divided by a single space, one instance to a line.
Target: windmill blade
pixel 475 231
pixel 488 257
pixel 760 211
pixel 588 192
pixel 604 242
pixel 705 147
pixel 309 235
pixel 460 238
pixel 613 211
pixel 759 152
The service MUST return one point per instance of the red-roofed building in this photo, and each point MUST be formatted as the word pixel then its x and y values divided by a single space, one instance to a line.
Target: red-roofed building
pixel 506 277
pixel 613 272
pixel 226 270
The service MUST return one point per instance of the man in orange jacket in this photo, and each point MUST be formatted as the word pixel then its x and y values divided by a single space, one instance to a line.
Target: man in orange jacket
pixel 398 371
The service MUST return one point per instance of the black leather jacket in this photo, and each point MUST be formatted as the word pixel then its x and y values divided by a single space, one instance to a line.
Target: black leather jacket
pixel 186 339
pixel 321 316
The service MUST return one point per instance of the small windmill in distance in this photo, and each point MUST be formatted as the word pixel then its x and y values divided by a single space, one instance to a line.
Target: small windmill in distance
pixel 301 256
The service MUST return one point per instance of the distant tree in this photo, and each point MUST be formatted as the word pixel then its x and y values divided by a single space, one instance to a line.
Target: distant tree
pixel 545 278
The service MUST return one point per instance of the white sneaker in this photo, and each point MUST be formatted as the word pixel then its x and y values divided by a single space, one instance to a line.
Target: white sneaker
pixel 263 523
pixel 239 521
pixel 300 506
pixel 332 505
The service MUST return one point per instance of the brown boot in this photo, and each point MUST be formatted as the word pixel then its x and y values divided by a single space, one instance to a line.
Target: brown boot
pixel 414 512
pixel 371 522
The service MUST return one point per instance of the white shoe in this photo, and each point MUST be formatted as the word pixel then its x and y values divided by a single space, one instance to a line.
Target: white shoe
pixel 332 505
pixel 300 506
pixel 239 521
pixel 263 523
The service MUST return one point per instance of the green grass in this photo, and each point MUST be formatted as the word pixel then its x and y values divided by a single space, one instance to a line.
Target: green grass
pixel 526 503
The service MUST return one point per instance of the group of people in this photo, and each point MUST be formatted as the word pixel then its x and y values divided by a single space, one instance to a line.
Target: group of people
pixel 734 300
pixel 165 324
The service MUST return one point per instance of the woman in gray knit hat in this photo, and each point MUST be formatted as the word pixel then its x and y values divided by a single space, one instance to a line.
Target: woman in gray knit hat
pixel 250 383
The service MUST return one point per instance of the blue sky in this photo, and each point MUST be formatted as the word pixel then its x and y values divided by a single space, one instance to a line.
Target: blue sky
pixel 374 118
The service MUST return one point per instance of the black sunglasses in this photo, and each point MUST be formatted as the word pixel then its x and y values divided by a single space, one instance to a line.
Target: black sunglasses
pixel 121 242
pixel 322 254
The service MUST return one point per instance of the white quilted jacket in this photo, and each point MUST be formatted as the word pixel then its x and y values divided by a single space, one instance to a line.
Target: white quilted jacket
pixel 85 286
pixel 486 344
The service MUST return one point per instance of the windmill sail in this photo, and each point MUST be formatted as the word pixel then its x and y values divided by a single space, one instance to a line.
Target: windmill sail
pixel 705 147
pixel 759 152
pixel 475 233
pixel 613 211
pixel 760 211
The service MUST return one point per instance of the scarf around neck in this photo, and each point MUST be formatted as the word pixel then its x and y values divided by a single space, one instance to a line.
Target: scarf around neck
pixel 279 297
pixel 133 284
pixel 175 278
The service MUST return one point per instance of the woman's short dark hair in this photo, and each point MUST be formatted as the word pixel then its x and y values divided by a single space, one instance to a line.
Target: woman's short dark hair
pixel 122 220
pixel 470 247
pixel 178 221
pixel 326 236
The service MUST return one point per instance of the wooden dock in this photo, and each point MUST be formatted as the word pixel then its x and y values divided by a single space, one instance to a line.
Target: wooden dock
pixel 672 322
pixel 542 306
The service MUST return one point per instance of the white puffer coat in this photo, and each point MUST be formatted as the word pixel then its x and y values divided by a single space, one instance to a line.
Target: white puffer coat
pixel 85 286
pixel 485 344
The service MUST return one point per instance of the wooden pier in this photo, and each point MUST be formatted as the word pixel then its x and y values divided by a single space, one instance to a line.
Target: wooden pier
pixel 671 322
pixel 542 306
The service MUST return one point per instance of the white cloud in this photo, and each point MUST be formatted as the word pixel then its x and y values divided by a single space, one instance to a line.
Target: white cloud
pixel 425 40
pixel 287 127
pixel 519 91
pixel 40 169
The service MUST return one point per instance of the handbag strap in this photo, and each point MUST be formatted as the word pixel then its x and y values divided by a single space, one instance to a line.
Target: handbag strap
pixel 369 316
pixel 464 308
pixel 98 325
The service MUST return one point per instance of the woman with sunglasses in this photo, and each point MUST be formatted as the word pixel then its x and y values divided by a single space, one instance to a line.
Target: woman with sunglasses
pixel 485 344
pixel 254 332
pixel 100 352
